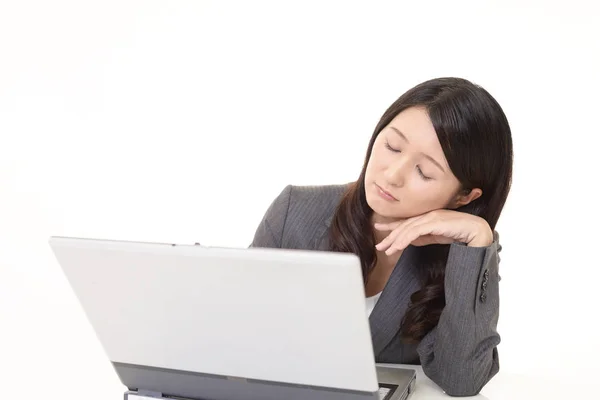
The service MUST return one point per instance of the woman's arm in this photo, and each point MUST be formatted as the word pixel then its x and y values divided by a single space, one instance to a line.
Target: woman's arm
pixel 460 353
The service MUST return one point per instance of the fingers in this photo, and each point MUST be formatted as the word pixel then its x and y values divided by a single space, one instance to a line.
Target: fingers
pixel 394 228
pixel 387 244
pixel 409 235
pixel 410 232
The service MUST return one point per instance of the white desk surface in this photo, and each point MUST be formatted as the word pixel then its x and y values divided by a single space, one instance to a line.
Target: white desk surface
pixel 507 386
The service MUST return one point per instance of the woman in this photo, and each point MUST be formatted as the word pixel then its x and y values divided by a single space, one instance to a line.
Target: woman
pixel 421 218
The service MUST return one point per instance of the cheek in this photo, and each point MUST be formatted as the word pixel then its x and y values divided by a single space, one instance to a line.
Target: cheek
pixel 375 162
pixel 379 157
pixel 429 196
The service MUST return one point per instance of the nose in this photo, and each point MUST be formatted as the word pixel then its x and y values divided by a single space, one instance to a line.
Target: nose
pixel 397 171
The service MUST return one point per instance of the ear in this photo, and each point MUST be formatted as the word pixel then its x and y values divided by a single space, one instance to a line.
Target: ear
pixel 464 197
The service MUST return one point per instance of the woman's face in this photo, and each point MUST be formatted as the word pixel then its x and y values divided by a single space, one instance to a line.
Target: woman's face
pixel 407 173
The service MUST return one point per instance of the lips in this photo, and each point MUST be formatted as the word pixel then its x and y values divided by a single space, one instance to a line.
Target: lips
pixel 384 193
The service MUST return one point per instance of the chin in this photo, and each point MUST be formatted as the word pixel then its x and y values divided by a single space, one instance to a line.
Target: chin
pixel 388 211
pixel 383 208
pixel 387 214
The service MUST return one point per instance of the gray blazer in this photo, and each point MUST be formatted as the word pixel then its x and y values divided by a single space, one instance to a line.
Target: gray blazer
pixel 460 353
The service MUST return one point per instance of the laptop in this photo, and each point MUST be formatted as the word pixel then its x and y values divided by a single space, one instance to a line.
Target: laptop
pixel 196 322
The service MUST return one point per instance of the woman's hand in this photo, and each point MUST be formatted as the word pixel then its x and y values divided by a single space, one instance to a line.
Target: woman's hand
pixel 435 227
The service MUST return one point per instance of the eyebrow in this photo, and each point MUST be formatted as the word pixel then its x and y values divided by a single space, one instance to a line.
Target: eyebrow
pixel 426 155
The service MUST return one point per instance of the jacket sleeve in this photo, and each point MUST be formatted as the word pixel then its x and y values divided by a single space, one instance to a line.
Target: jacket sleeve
pixel 460 354
pixel 269 232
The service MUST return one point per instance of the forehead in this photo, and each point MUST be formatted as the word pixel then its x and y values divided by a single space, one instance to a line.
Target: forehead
pixel 415 125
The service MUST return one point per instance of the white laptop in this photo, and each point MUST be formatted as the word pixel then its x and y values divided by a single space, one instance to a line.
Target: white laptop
pixel 195 322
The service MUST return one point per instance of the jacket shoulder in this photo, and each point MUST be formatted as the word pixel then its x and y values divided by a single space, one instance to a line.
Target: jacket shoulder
pixel 310 210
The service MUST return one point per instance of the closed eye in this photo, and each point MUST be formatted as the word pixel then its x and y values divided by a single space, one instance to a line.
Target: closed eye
pixel 422 174
pixel 387 145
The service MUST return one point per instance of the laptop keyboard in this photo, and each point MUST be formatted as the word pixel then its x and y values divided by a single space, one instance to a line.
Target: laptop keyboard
pixel 383 392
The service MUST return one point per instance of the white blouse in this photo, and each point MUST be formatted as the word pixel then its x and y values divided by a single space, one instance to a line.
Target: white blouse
pixel 371 301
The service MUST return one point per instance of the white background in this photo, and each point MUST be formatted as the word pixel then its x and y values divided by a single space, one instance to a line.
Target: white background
pixel 180 121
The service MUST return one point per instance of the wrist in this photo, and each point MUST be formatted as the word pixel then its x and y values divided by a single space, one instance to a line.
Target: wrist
pixel 479 243
pixel 484 237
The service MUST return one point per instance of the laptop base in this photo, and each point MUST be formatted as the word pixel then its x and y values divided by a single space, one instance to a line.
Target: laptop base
pixel 161 383
pixel 394 384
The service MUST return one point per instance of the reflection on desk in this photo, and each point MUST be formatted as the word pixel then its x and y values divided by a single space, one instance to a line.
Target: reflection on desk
pixel 507 386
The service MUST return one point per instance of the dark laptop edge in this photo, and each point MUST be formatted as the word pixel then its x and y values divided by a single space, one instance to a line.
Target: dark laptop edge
pixel 172 383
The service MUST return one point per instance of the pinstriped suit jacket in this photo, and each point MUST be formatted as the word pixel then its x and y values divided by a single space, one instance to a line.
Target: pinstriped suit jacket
pixel 460 353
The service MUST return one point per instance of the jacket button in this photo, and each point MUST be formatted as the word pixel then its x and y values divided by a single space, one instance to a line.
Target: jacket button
pixel 483 297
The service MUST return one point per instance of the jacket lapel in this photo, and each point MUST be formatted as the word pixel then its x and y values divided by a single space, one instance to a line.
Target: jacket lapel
pixel 387 315
pixel 389 310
